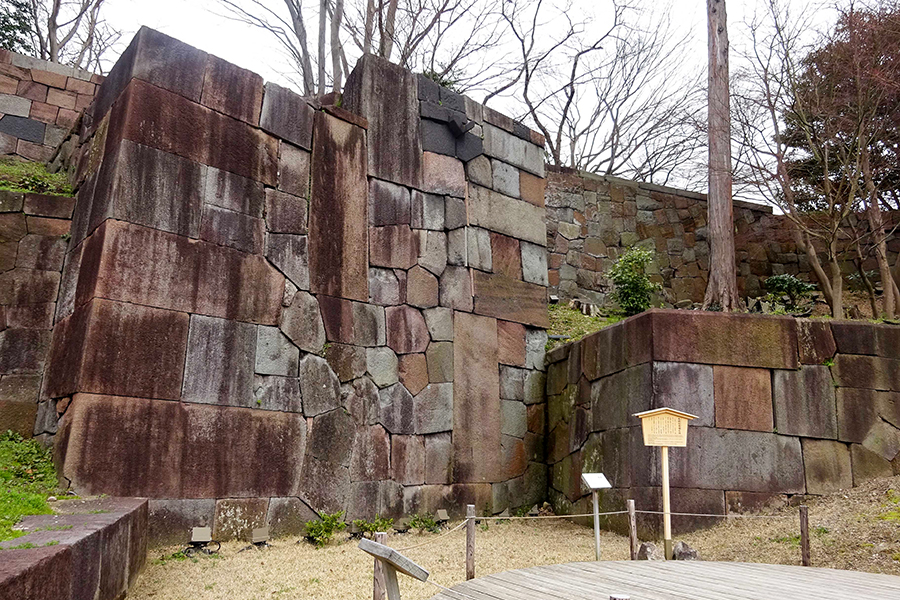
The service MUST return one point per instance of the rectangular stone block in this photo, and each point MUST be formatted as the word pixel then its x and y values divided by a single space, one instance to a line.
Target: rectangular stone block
pixel 510 299
pixel 854 338
pixel 743 398
pixel 221 355
pixel 43 205
pixel 285 213
pixel 18 417
pixel 433 408
pixel 337 212
pixel 408 459
pixel 684 500
pixel 615 398
pixel 859 411
pixel 352 322
pixel 154 268
pixel 871 372
pixel 236 518
pixel 513 150
pixel 393 135
pixel 816 341
pixel 389 204
pixel 476 400
pixel 511 343
pixel 506 255
pixel 531 188
pixel 233 192
pixel 289 253
pixel 687 388
pixel 394 246
pixel 827 466
pixel 293 170
pixel 232 90
pixel 805 402
pixel 23 128
pixel 171 520
pixel 287 115
pixel 509 216
pixel 614 348
pixel 233 229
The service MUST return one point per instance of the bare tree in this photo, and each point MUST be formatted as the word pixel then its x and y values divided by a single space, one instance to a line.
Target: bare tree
pixel 71 32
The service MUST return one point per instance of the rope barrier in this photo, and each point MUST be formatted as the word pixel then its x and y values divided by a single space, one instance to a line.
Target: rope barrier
pixel 603 514
pixel 432 540
pixel 728 516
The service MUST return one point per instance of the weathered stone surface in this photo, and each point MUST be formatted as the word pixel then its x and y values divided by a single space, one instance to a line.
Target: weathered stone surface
pixel 743 398
pixel 227 190
pixel 320 386
pixel 513 418
pixel 614 348
pixel 510 343
pixel 271 392
pixel 615 398
pixel 325 482
pixel 479 248
pixel 301 322
pixel 513 150
pixel 389 204
pixel 505 178
pixel 232 229
pixel 286 115
pixel 455 213
pixel 853 338
pixel 231 90
pixel 871 372
pixel 393 135
pixel 532 189
pixel 505 298
pixel 20 388
pixel 381 364
pixel 440 323
pixel 507 257
pixel 805 402
pixel 438 450
pixel 43 205
pixel 393 246
pixel 371 460
pixel 535 348
pixel 275 354
pixel 352 322
pixel 12 227
pixel 285 213
pixel 288 516
pixel 396 410
pixel 406 330
pixel 509 216
pixel 384 287
pixel 293 170
pixel 456 247
pixel 221 355
pixel 816 341
pixel 27 130
pixel 439 357
pixel 220 277
pixel 347 362
pixel 433 251
pixel 18 417
pixel 361 399
pixel 28 286
pixel 41 252
pixel 433 408
pixel 868 465
pixel 534 264
pixel 827 466
pixel 512 383
pixel 476 400
pixel 413 370
pixel 515 457
pixel 337 210
pixel 171 520
pixel 443 175
pixel 236 518
pixel 684 387
pixel 427 211
pixel 884 440
pixel 421 288
pixel 23 350
pixel 408 459
pixel 707 337
pixel 753 502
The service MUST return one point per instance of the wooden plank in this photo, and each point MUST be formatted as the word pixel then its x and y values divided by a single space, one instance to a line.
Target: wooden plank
pixel 390 556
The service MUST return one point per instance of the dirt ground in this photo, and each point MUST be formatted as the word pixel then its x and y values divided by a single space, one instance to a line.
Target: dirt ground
pixel 856 529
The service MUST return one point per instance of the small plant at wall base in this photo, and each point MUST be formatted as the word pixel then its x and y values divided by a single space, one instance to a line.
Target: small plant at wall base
pixel 320 532
pixel 633 289
pixel 790 292
pixel 424 522
pixel 369 528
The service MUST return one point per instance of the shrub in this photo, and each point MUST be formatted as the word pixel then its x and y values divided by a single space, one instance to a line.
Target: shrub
pixel 424 522
pixel 789 291
pixel 632 286
pixel 370 527
pixel 320 532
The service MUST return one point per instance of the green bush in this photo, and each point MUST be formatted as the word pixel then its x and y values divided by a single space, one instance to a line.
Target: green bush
pixel 789 291
pixel 27 477
pixel 424 522
pixel 369 528
pixel 633 289
pixel 320 532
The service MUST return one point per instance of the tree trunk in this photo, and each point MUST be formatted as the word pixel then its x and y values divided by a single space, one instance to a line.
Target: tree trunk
pixel 837 283
pixel 876 226
pixel 386 45
pixel 336 68
pixel 807 247
pixel 323 20
pixel 721 290
pixel 870 289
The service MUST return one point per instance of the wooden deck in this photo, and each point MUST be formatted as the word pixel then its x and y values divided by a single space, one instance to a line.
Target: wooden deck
pixel 672 580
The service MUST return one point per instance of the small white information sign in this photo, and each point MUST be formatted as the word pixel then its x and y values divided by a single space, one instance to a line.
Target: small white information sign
pixel 595 481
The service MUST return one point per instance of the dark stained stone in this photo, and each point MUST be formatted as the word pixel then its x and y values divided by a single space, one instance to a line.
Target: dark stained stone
pixel 171 520
pixel 302 323
pixel 41 252
pixel 44 205
pixel 20 388
pixel 288 516
pixel 291 255
pixel 396 408
pixel 221 355
pixel 827 466
pixel 614 348
pixel 287 115
pixel 352 322
pixel 285 213
pixel 394 246
pixel 28 286
pixel 37 573
pixel 236 518
pixel 743 398
pixel 233 229
pixel 476 400
pixel 406 330
pixel 23 128
pixel 371 459
pixel 273 392
pixel 854 338
pixel 870 372
pixel 615 398
pixel 438 450
pixel 408 459
pixel 320 386
pixel 752 502
pixel 868 465
pixel 433 408
pixel 232 90
pixel 227 190
pixel 389 203
pixel 325 481
pixel 511 343
pixel 154 268
pixel 887 340
pixel 858 411
pixel 469 146
pixel 18 417
pixel 384 287
pixel 684 387
pixel 413 372
pixel 348 362
pixel 293 170
pixel 12 227
pixel 436 137
pixel 815 341
pixel 361 399
pixel 427 211
pixel 805 402
pixel 511 299
pixel 337 221
pixel 393 136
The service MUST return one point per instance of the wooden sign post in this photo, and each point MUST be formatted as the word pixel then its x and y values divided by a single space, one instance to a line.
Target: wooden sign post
pixel 665 427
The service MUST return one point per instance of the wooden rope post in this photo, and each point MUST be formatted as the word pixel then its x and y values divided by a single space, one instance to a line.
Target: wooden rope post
pixel 470 541
pixel 632 529
pixel 379 591
pixel 804 535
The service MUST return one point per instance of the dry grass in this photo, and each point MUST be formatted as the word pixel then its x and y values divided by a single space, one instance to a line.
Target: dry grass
pixel 857 529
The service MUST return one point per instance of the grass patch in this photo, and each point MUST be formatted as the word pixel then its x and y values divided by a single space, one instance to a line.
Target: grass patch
pixel 22 176
pixel 27 477
pixel 571 322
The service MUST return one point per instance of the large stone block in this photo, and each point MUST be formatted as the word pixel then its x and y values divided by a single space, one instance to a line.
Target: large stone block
pixel 18 417
pixel 337 219
pixel 871 372
pixel 433 251
pixel 413 372
pixel 743 398
pixel 427 211
pixel 361 398
pixel 352 322
pixel 421 288
pixel 227 190
pixel 393 246
pixel 221 355
pixel 443 175
pixel 478 246
pixel 232 229
pixel 154 268
pixel 389 204
pixel 534 263
pixel 232 90
pixel 509 216
pixel 293 170
pixel 805 402
pixel 302 323
pixel 440 323
pixel 371 459
pixel 384 287
pixel 708 337
pixel 325 483
pixel 511 343
pixel 275 354
pixel 44 205
pixel 438 450
pixel 697 501
pixel 24 574
pixel 854 338
pixel 510 299
pixel 684 387
pixel 513 150
pixel 827 466
pixel 287 115
pixel 20 388
pixel 382 367
pixel 288 516
pixel 171 520
pixel 408 459
pixel 320 386
pixel 347 362
pixel 285 213
pixel 439 357
pixel 612 349
pixel 816 341
pixel 884 440
pixel 476 400
pixel 507 256
pixel 273 392
pixel 236 518
pixel 406 330
pixel 28 286
pixel 393 135
pixel 615 398
pixel 433 408
pixel 397 410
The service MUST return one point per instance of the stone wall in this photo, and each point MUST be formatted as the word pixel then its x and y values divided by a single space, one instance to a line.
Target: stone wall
pixel 592 220
pixel 797 407
pixel 33 233
pixel 40 102
pixel 274 306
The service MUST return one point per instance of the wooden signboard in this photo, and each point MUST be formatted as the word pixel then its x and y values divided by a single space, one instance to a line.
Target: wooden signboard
pixel 665 427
